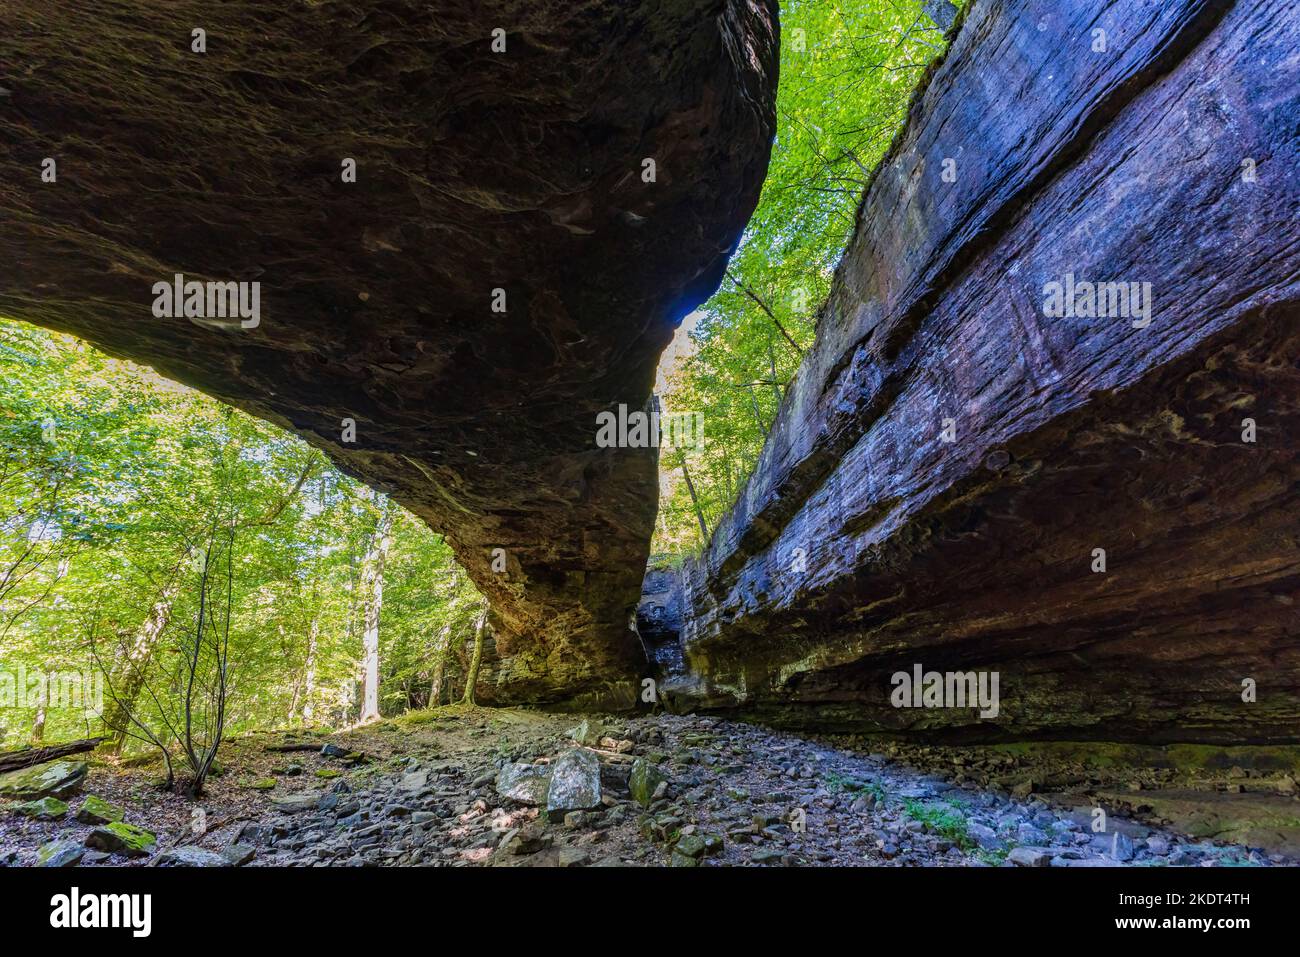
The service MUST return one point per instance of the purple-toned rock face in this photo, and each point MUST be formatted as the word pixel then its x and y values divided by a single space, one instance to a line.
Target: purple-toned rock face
pixel 461 244
pixel 1048 431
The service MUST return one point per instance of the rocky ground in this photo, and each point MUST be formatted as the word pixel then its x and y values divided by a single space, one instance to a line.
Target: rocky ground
pixel 464 787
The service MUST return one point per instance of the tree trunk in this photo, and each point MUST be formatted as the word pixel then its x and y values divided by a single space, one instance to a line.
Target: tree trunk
pixel 38 723
pixel 439 666
pixel 771 364
pixel 28 757
pixel 117 717
pixel 471 680
pixel 695 502
pixel 372 585
pixel 309 691
pixel 758 417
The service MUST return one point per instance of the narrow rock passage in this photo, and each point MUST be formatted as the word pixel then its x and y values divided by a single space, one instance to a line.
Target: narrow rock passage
pixel 461 787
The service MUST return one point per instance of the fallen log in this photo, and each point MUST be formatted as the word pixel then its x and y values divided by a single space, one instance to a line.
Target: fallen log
pixel 27 757
pixel 295 746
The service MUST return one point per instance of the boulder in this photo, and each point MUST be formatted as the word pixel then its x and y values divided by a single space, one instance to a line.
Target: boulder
pixel 237 855
pixel 252 833
pixel 296 803
pixel 60 853
pixel 984 836
pixel 60 779
pixel 644 781
pixel 587 733
pixel 572 857
pixel 44 809
pixel 190 856
pixel 522 841
pixel 525 783
pixel 414 781
pixel 95 810
pixel 575 784
pixel 1030 856
pixel 122 838
pixel 690 845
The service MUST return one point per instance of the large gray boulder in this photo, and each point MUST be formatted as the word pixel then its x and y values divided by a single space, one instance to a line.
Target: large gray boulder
pixel 60 779
pixel 61 853
pixel 43 809
pixel 525 783
pixel 575 784
pixel 122 838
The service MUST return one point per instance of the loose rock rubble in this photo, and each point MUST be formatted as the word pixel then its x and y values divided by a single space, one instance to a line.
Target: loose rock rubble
pixel 508 788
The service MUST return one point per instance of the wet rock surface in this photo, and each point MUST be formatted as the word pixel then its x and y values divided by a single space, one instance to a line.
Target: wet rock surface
pixel 512 178
pixel 686 791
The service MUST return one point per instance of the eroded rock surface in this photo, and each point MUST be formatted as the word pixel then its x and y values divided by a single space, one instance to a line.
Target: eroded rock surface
pixel 479 174
pixel 950 457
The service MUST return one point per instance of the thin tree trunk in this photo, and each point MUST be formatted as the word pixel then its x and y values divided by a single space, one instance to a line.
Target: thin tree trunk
pixel 313 640
pixel 758 417
pixel 373 589
pixel 471 679
pixel 695 502
pixel 38 724
pixel 439 666
pixel 767 309
pixel 771 364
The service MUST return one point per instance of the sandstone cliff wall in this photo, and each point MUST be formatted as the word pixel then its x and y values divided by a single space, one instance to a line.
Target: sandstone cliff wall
pixel 865 543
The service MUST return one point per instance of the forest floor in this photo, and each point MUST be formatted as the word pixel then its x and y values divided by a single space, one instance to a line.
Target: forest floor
pixel 424 790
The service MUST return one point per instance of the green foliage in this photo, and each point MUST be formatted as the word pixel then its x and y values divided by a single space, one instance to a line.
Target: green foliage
pixel 947 820
pixel 943 819
pixel 846 83
pixel 114 486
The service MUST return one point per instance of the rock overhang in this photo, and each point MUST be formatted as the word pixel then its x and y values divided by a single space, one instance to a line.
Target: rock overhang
pixel 467 244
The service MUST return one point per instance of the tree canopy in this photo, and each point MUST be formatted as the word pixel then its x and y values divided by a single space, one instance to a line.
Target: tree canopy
pixel 848 72
pixel 117 486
